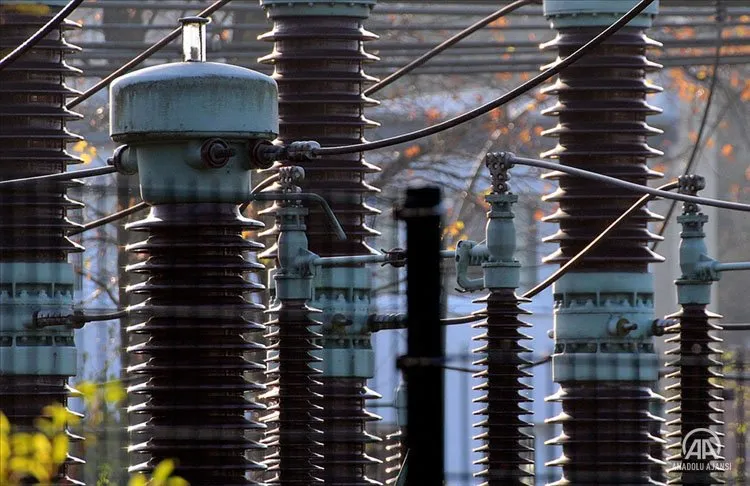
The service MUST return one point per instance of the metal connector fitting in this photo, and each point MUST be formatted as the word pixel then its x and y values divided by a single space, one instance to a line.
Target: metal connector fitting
pixel 301 151
pixel 660 327
pixel 123 159
pixel 620 326
pixel 263 154
pixel 215 153
pixel 395 257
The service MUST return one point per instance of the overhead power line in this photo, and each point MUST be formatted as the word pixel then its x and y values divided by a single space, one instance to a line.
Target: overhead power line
pixel 40 34
pixel 486 108
pixel 704 121
pixel 140 57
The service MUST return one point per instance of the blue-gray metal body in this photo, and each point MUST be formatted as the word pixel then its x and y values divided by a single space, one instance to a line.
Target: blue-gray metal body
pixel 496 256
pixel 27 288
pixel 343 294
pixel 603 320
pixel 341 290
pixel 318 8
pixel 165 114
pixel 699 270
pixel 596 13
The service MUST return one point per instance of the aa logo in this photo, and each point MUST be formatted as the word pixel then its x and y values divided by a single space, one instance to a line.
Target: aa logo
pixel 701 445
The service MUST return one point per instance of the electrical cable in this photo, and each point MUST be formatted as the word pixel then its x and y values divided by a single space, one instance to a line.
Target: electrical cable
pixel 63 176
pixel 502 100
pixel 264 184
pixel 40 34
pixel 735 327
pixel 108 219
pixel 539 362
pixel 540 287
pixel 543 164
pixel 463 319
pixel 104 317
pixel 141 57
pixel 704 121
pixel 399 73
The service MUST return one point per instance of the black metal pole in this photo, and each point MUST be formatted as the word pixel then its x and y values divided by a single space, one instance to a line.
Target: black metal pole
pixel 426 342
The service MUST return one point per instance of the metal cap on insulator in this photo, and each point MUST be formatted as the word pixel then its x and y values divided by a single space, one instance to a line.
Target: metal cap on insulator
pixel 327 8
pixel 596 13
pixel 190 126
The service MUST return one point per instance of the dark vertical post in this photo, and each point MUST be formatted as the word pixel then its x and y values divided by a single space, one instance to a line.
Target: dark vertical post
pixel 424 440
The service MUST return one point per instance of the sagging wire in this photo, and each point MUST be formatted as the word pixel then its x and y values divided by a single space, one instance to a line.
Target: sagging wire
pixel 704 120
pixel 109 219
pixel 399 73
pixel 140 57
pixel 539 288
pixel 543 164
pixel 264 184
pixel 403 362
pixel 40 34
pixel 502 100
pixel 63 176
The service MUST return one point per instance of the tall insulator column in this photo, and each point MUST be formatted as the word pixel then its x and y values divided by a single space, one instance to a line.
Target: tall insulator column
pixel 193 342
pixel 319 60
pixel 293 405
pixel 189 130
pixel 604 356
pixel 35 364
pixel 696 361
pixel 507 459
pixel 396 445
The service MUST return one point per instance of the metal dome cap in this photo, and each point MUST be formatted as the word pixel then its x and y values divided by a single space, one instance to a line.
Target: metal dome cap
pixel 193 98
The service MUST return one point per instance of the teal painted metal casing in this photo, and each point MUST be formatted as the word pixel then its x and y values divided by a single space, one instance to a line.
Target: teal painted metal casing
pixel 603 321
pixel 327 8
pixel 693 286
pixel 596 13
pixel 501 270
pixel 165 113
pixel 603 327
pixel 344 296
pixel 293 278
pixel 26 288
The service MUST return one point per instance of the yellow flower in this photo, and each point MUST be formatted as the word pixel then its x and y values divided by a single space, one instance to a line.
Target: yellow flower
pixel 4 424
pixel 138 480
pixel 114 392
pixel 80 146
pixel 42 447
pixel 59 448
pixel 87 390
pixel 21 445
pixel 177 481
pixel 162 472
